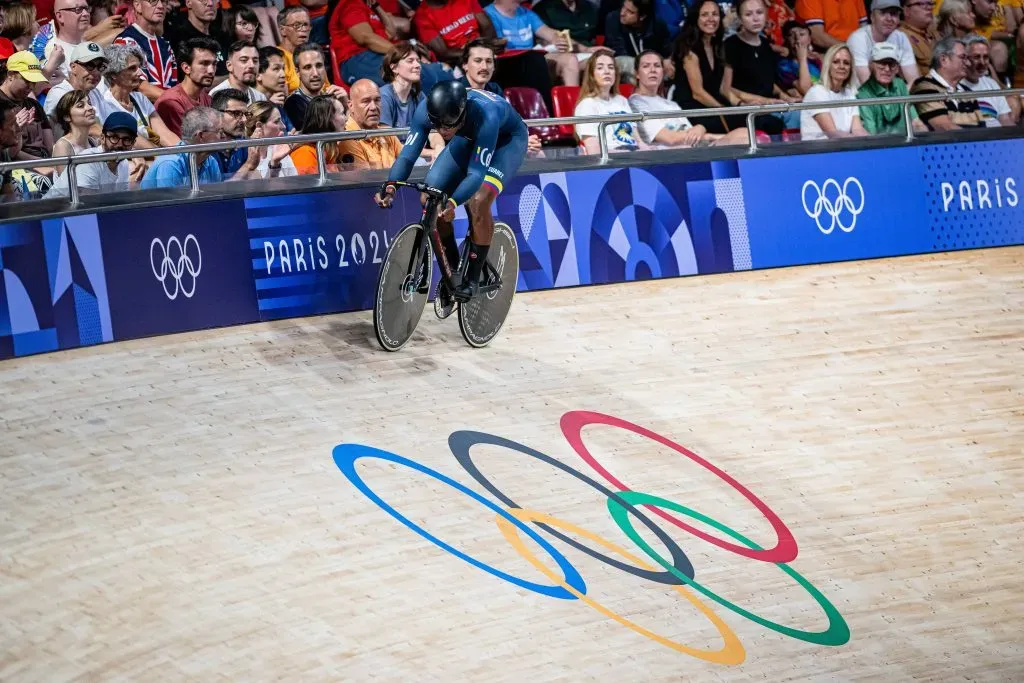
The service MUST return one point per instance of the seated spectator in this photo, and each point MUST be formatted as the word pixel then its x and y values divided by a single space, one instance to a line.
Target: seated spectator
pixel 19 25
pixel 377 152
pixel 521 28
pixel 599 94
pixel 87 64
pixel 119 132
pixel 955 19
pixel 10 139
pixel 837 85
pixel 72 23
pixel 577 17
pixel 294 26
pixel 243 66
pixel 200 125
pixel 239 23
pixel 631 31
pixel 199 23
pixel 750 68
pixel 995 110
pixel 802 69
pixel 885 17
pixel 677 132
pixel 124 77
pixel 309 60
pixel 263 120
pixel 919 26
pixel 325 114
pixel 885 119
pixel 831 21
pixel 317 17
pixel 146 33
pixel 231 104
pixel 698 83
pixel 271 81
pixel 77 115
pixel 990 22
pixel 360 37
pixel 23 72
pixel 445 26
pixel 778 13
pixel 198 58
pixel 948 67
pixel 401 93
pixel 478 67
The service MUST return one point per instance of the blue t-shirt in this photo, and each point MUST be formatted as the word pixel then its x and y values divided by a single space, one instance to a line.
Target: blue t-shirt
pixel 172 171
pixel 519 29
pixel 392 112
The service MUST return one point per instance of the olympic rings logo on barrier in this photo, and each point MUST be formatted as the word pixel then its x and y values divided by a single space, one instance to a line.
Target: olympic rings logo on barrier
pixel 624 506
pixel 176 265
pixel 833 208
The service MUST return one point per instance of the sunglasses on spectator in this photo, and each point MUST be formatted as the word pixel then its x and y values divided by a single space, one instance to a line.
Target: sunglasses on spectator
pixel 94 65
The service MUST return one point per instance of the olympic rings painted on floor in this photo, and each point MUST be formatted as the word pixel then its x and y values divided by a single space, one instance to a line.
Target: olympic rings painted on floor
pixel 621 505
pixel 785 550
pixel 460 442
pixel 732 651
pixel 837 633
pixel 345 457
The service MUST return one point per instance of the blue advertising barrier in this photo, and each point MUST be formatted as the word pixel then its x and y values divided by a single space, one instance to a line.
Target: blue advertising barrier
pixel 120 275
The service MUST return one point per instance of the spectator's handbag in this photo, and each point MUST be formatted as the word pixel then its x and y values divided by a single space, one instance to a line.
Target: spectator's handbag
pixel 149 132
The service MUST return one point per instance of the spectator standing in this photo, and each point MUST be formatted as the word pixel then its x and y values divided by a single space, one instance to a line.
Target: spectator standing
pixel 243 68
pixel 200 22
pixel 199 59
pixel 445 26
pixel 75 114
pixel 200 125
pixel 24 72
pixel 263 120
pixel 885 119
pixel 271 81
pixel 837 85
pixel 919 26
pixel 377 152
pixel 231 104
pixel 750 68
pixel 85 71
pixel 325 114
pixel 309 59
pixel 678 132
pixel 948 67
pixel 119 133
pixel 478 67
pixel 631 31
pixel 124 76
pixel 831 21
pixel 802 69
pixel 599 94
pixel 521 28
pixel 885 18
pixel 146 33
pixel 578 17
pixel 701 66
pixel 995 110
pixel 294 26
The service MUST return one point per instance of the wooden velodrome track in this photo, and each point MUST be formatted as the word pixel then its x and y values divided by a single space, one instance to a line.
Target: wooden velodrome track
pixel 175 508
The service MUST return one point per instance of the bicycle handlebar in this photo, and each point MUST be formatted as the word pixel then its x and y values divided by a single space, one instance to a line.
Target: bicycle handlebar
pixel 421 187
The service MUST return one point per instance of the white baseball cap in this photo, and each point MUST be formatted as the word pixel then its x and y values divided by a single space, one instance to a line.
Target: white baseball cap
pixel 881 52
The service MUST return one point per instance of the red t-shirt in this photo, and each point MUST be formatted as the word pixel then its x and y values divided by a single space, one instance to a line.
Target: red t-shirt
pixel 455 22
pixel 351 13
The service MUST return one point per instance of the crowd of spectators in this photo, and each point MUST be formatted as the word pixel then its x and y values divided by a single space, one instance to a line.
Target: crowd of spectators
pixel 81 77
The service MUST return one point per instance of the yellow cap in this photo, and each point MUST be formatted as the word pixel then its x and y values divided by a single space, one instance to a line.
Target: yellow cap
pixel 26 64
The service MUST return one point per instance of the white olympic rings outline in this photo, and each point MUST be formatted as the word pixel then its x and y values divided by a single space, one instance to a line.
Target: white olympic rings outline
pixel 174 269
pixel 833 208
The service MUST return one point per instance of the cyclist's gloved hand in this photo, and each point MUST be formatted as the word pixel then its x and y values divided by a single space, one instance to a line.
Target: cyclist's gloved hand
pixel 448 212
pixel 385 196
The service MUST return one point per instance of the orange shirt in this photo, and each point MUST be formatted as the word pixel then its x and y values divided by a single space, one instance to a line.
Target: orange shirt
pixel 304 158
pixel 370 152
pixel 839 17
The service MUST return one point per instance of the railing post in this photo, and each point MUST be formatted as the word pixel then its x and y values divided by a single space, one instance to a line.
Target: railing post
pixel 602 141
pixel 193 172
pixel 72 183
pixel 907 122
pixel 751 133
pixel 321 163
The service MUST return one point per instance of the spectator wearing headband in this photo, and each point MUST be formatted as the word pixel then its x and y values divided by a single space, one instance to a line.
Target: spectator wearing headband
pixel 885 119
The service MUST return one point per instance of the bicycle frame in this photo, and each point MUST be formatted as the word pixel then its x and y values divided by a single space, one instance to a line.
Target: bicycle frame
pixel 435 200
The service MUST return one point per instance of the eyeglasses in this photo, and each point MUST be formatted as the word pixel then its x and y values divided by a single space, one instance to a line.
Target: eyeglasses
pixel 235 113
pixel 122 139
pixel 299 27
pixel 891 66
pixel 81 9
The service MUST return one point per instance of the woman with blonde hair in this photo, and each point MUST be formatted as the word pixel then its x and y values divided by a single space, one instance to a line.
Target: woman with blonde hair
pixel 955 18
pixel 836 85
pixel 263 120
pixel 599 95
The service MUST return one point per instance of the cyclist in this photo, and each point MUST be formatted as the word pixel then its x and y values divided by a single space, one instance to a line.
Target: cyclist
pixel 486 143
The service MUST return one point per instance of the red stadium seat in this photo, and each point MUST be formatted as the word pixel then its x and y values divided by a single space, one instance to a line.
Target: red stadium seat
pixel 530 105
pixel 625 89
pixel 335 69
pixel 563 99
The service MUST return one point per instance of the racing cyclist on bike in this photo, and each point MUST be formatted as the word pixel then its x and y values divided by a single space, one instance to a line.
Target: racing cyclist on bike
pixel 486 142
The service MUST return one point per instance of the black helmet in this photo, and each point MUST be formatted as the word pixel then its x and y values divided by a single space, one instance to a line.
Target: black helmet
pixel 446 104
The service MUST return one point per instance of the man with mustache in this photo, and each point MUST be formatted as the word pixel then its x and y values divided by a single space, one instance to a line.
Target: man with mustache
pixel 161 68
pixel 309 61
pixel 199 65
pixel 243 67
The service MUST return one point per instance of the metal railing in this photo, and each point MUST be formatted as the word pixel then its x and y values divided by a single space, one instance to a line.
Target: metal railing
pixel 321 140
